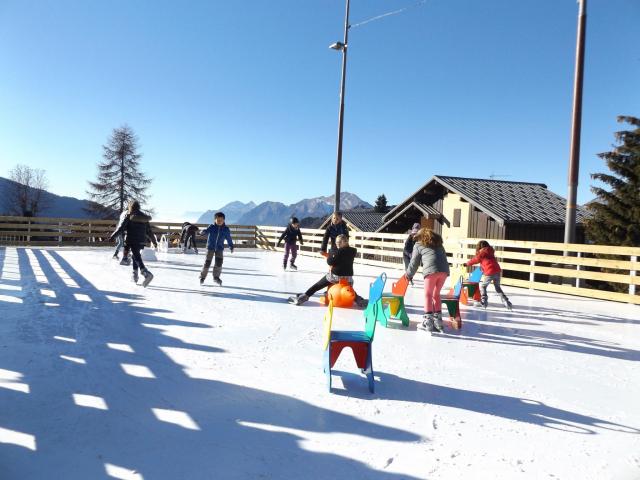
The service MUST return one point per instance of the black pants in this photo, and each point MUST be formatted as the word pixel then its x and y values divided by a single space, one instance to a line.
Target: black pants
pixel 137 258
pixel 217 267
pixel 190 242
pixel 319 285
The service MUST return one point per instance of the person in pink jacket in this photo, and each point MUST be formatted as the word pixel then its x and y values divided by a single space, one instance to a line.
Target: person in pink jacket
pixel 491 270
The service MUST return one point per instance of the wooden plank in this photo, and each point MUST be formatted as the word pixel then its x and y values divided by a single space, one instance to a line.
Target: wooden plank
pixel 571 273
pixel 567 289
pixel 562 247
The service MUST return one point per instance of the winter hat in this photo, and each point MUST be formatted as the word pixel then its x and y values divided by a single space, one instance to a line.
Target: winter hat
pixel 295 220
pixel 219 214
pixel 415 228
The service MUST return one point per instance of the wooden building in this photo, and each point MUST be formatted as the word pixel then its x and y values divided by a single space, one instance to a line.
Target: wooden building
pixel 459 207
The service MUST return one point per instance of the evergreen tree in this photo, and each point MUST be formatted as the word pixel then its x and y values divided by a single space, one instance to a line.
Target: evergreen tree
pixel 615 213
pixel 381 204
pixel 119 176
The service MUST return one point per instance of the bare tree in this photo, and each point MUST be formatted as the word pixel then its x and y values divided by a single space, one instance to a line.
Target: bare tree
pixel 119 176
pixel 28 194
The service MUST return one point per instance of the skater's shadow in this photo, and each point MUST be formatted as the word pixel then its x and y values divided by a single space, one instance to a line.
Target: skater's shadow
pixel 395 388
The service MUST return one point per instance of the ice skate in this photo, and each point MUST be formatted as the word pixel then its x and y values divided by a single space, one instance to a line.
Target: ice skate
pixel 299 299
pixel 427 322
pixel 507 303
pixel 134 276
pixel 125 261
pixel 293 267
pixel 437 322
pixel 148 276
pixel 217 281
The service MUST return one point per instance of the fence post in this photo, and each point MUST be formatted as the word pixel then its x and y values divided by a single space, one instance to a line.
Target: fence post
pixel 29 231
pixel 532 275
pixel 90 238
pixel 578 268
pixel 632 273
pixel 60 232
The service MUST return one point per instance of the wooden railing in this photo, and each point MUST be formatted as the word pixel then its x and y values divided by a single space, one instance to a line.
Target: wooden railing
pixel 555 267
pixel 44 231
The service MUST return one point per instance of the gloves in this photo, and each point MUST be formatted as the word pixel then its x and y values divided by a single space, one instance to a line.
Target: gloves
pixel 231 250
pixel 324 254
pixel 278 244
pixel 301 243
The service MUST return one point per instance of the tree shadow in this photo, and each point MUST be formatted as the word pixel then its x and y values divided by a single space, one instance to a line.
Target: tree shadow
pixel 173 420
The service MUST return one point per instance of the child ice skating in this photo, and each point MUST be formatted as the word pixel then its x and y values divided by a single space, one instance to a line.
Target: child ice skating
pixel 435 269
pixel 491 271
pixel 218 232
pixel 291 235
pixel 341 262
pixel 188 237
pixel 137 229
pixel 335 228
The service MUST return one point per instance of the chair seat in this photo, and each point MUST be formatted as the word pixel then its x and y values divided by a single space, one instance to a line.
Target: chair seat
pixel 349 336
pixel 388 296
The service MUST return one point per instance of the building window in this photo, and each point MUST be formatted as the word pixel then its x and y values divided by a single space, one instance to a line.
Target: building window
pixel 456 217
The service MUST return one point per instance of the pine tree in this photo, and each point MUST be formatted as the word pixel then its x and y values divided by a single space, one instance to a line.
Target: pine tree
pixel 119 176
pixel 381 204
pixel 615 213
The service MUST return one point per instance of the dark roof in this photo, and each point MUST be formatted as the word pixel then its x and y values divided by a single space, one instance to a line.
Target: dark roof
pixel 363 220
pixel 512 202
pixel 505 201
pixel 425 209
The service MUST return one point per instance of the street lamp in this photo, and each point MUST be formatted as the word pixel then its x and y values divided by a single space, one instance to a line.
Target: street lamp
pixel 341 46
pixel 576 124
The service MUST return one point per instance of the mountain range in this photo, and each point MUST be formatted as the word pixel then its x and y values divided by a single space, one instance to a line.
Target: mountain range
pixel 54 205
pixel 278 214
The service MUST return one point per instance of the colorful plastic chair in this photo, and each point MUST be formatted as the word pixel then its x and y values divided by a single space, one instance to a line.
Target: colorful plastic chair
pixel 452 301
pixel 394 302
pixel 359 342
pixel 471 287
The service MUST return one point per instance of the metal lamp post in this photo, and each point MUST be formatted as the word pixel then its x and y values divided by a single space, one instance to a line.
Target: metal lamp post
pixel 342 46
pixel 574 159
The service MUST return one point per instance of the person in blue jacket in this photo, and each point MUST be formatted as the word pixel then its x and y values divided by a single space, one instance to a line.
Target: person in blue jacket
pixel 218 232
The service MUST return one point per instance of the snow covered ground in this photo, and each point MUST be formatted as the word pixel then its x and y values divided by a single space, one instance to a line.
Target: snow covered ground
pixel 100 378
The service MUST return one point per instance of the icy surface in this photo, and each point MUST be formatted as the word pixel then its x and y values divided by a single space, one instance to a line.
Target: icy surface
pixel 100 378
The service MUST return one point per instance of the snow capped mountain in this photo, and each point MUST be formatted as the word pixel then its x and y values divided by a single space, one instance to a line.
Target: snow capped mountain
pixel 276 213
pixel 233 211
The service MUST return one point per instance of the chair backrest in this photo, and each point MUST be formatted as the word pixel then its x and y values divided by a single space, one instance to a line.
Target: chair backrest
pixel 476 275
pixel 326 323
pixel 400 287
pixel 375 307
pixel 377 287
pixel 458 288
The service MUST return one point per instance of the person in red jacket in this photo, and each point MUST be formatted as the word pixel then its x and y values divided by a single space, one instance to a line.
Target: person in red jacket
pixel 491 271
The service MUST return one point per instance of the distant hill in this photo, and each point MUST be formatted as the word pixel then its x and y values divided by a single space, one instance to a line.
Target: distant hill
pixel 278 214
pixel 57 206
pixel 232 211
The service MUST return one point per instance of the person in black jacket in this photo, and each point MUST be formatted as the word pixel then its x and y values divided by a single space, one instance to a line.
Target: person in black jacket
pixel 188 237
pixel 291 236
pixel 137 229
pixel 341 262
pixel 335 228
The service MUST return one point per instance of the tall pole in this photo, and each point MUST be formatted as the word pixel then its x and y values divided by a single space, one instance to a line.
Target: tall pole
pixel 336 206
pixel 574 159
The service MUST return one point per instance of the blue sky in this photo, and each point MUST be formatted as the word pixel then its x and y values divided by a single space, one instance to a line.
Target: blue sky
pixel 239 100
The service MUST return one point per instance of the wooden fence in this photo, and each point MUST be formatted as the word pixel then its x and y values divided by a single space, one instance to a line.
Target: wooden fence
pixel 41 231
pixel 574 269
pixel 556 267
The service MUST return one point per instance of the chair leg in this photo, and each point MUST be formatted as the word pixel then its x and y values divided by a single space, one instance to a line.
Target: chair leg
pixel 402 314
pixel 327 367
pixel 369 370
